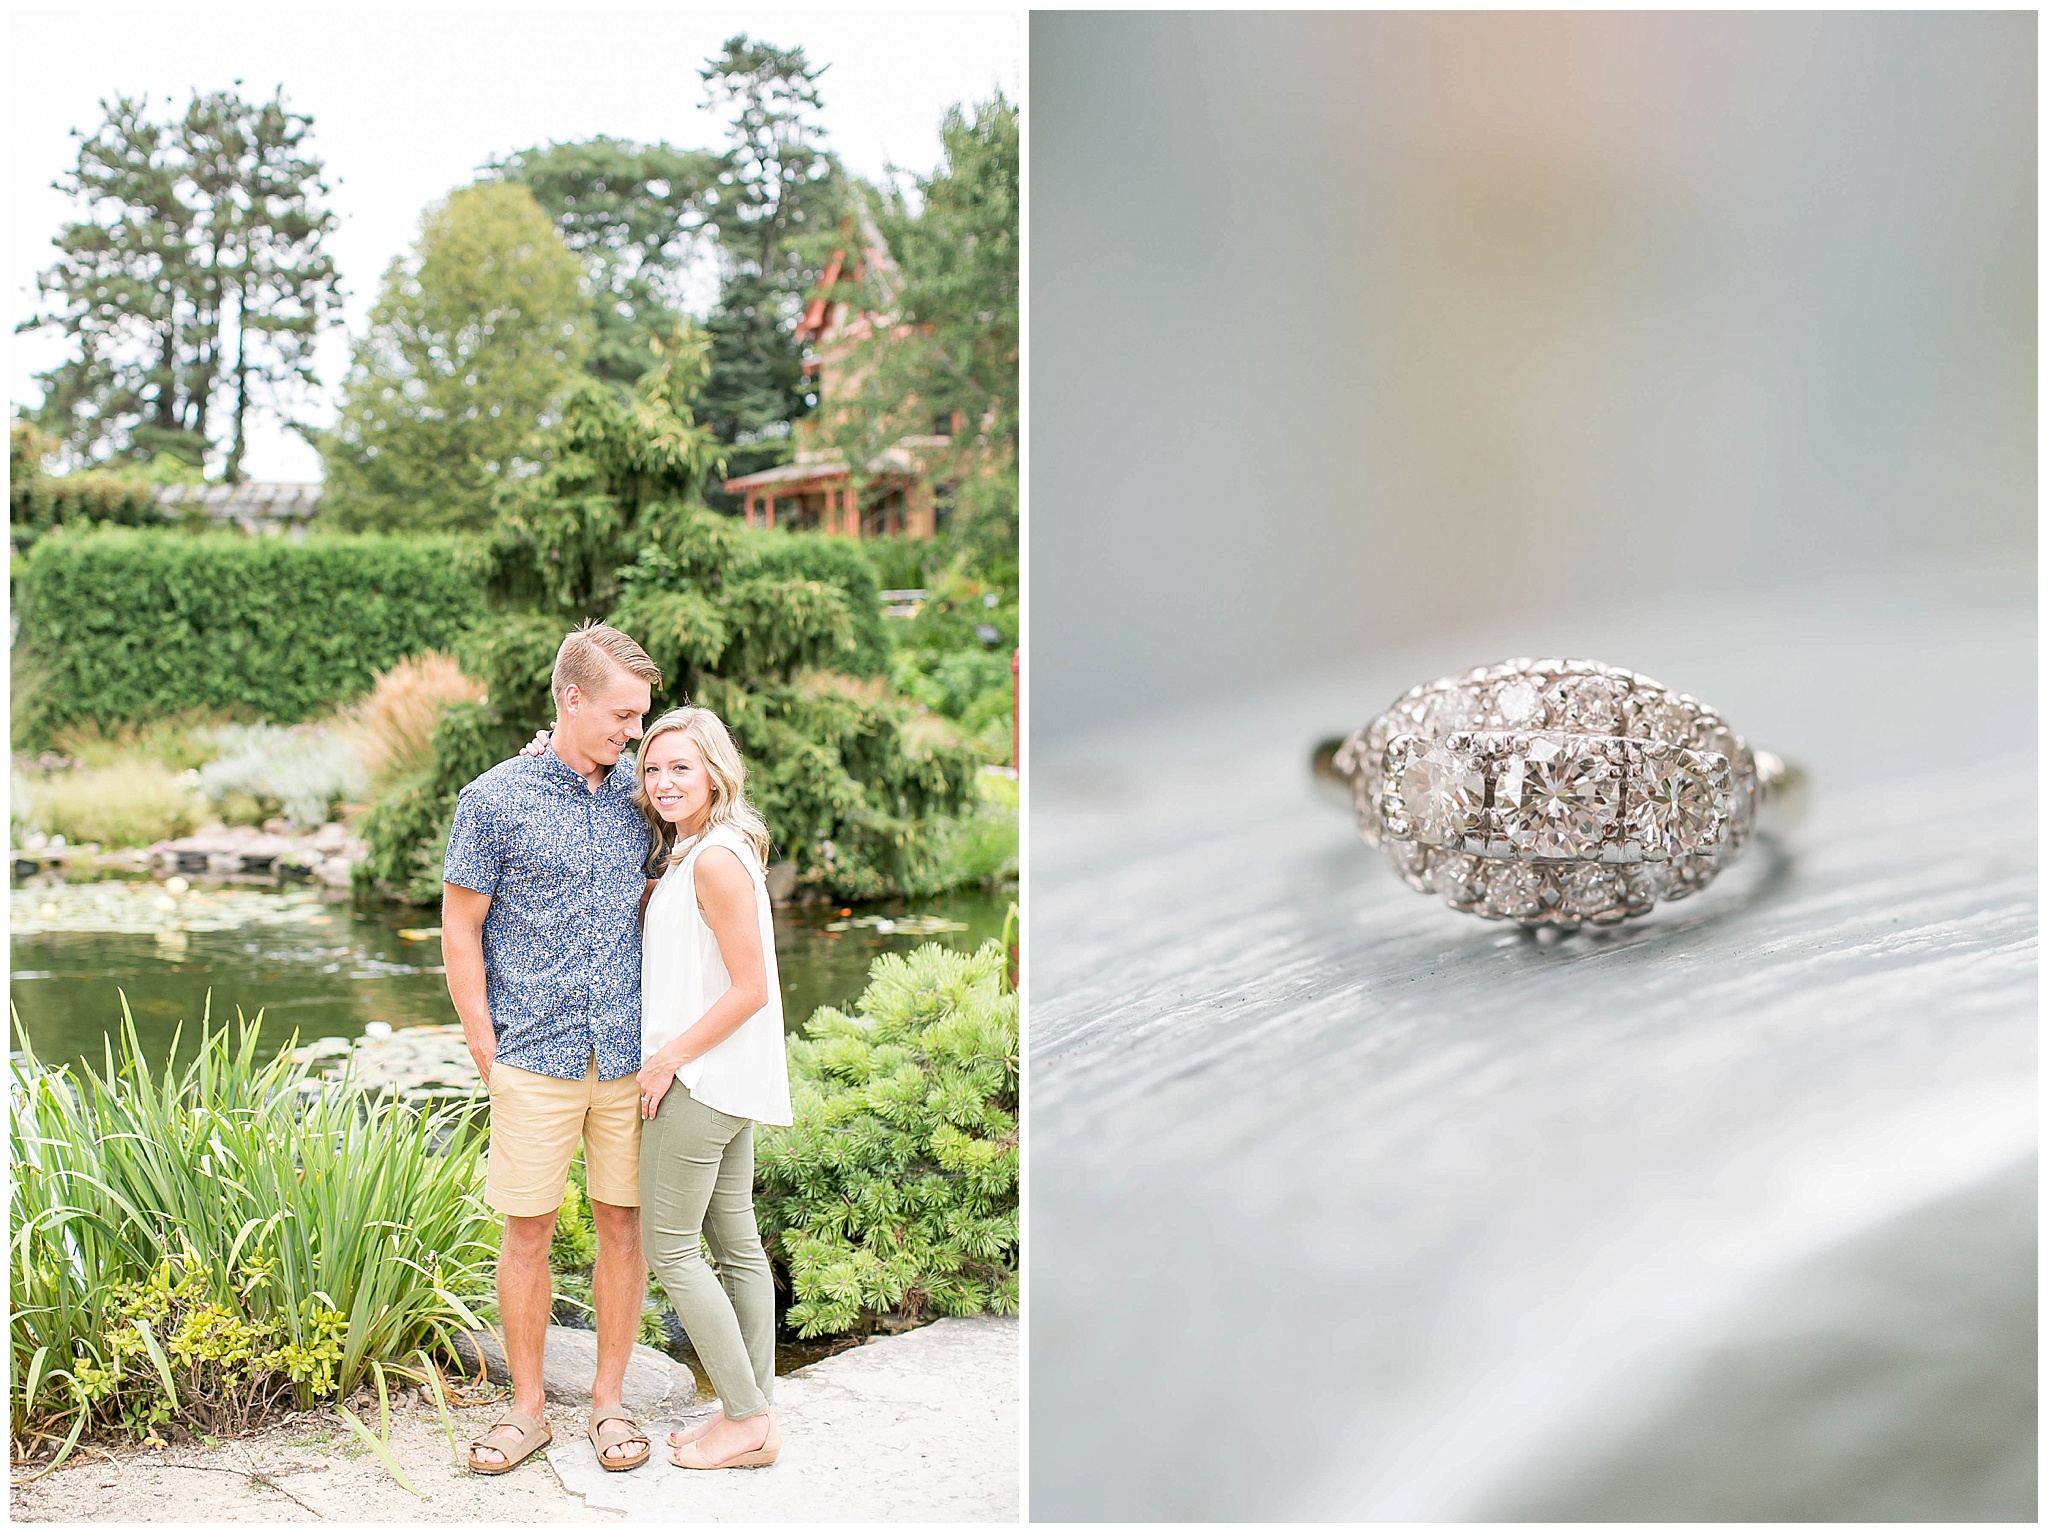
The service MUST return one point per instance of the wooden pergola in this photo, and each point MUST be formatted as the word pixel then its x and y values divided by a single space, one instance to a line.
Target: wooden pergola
pixel 821 497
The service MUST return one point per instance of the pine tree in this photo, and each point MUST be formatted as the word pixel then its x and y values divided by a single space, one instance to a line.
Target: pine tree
pixel 778 202
pixel 199 270
pixel 893 1194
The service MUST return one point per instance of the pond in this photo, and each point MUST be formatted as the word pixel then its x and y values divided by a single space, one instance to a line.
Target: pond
pixel 321 965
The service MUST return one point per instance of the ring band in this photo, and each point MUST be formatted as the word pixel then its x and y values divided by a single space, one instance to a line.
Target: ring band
pixel 1557 792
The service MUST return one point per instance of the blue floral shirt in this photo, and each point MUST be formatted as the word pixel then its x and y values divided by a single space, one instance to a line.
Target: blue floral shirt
pixel 565 869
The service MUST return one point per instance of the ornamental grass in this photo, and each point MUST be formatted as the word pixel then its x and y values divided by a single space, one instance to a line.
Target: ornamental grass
pixel 137 805
pixel 397 719
pixel 223 1237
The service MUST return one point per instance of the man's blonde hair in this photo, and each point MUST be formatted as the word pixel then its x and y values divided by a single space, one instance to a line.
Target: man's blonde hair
pixel 587 655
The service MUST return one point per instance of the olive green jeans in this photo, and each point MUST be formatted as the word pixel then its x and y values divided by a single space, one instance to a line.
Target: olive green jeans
pixel 697 1177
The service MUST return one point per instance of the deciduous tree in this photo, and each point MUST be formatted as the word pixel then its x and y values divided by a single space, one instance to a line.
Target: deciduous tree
pixel 636 214
pixel 476 340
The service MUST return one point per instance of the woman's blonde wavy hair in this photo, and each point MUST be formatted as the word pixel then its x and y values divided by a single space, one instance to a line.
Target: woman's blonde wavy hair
pixel 728 771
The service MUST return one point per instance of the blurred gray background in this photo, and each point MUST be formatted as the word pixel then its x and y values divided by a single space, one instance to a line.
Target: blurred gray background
pixel 1348 329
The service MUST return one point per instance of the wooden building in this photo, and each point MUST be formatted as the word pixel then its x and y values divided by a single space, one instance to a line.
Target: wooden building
pixel 816 491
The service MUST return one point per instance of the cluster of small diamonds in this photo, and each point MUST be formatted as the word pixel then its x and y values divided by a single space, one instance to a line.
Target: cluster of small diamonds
pixel 1552 792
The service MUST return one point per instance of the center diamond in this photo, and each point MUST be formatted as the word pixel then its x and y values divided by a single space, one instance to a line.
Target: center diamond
pixel 1556 799
pixel 1445 793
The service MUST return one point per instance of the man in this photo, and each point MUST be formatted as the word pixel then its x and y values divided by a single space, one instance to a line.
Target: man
pixel 542 888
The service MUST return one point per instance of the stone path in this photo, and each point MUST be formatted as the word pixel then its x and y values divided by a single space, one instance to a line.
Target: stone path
pixel 914 1428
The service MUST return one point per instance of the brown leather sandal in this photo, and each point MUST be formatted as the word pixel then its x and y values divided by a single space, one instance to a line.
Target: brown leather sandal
pixel 603 1437
pixel 532 1437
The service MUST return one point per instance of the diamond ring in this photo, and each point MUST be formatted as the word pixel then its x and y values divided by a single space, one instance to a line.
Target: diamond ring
pixel 1557 792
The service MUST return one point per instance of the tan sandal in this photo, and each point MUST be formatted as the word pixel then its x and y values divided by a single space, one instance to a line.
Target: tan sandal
pixel 603 1437
pixel 532 1437
pixel 690 1455
pixel 690 1434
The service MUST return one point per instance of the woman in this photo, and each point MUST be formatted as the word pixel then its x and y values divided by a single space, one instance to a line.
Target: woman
pixel 712 1066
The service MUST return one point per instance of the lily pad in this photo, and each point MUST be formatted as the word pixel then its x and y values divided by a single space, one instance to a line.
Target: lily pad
pixel 150 909
pixel 900 926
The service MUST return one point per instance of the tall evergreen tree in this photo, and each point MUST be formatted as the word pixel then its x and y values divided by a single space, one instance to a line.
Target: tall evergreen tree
pixel 265 236
pixel 776 207
pixel 636 214
pixel 473 344
pixel 759 626
pixel 199 270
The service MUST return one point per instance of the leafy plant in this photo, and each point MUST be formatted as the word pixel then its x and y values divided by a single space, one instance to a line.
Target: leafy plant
pixel 894 1193
pixel 980 848
pixel 189 1245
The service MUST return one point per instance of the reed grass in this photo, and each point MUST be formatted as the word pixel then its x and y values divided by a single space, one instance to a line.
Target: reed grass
pixel 396 721
pixel 347 1228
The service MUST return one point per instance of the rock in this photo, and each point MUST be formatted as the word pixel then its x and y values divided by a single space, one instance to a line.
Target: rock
pixel 654 1384
pixel 335 873
pixel 781 882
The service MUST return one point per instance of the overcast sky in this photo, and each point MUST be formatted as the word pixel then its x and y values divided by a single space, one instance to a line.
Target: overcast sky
pixel 408 102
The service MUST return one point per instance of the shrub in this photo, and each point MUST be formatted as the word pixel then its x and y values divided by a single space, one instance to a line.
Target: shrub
pixel 37 502
pixel 129 625
pixel 978 848
pixel 945 659
pixel 895 1190
pixel 780 634
pixel 398 718
pixel 407 827
pixel 136 804
pixel 840 778
pixel 301 772
pixel 191 1245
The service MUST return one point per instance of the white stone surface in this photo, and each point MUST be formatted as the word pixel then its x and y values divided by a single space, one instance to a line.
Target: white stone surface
pixel 1345 1205
pixel 921 1427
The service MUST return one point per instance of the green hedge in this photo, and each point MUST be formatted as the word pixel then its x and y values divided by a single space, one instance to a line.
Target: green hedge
pixel 122 625
pixel 36 503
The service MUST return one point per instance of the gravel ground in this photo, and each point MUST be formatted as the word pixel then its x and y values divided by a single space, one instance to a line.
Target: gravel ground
pixel 318 1470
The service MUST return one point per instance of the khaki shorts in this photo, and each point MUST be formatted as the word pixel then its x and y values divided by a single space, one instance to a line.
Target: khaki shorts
pixel 535 1123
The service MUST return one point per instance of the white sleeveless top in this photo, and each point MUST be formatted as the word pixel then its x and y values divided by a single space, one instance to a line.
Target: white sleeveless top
pixel 682 974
